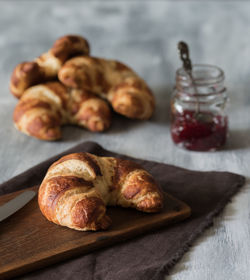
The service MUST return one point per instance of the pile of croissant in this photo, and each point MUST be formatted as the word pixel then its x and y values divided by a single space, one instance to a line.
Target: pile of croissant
pixel 78 187
pixel 68 86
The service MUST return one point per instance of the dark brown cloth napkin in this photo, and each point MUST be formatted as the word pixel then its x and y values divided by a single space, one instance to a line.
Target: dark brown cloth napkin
pixel 150 256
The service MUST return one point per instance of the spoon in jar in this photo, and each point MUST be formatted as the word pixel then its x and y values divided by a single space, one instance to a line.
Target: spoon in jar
pixel 187 66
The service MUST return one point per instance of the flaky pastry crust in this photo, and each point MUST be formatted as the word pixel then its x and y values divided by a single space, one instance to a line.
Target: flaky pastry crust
pixel 78 187
pixel 68 86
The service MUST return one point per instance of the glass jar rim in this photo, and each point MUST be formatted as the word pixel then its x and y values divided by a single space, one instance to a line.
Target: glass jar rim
pixel 217 77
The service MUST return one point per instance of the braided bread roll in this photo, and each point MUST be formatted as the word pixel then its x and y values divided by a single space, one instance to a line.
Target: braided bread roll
pixel 77 188
pixel 128 94
pixel 46 67
pixel 44 108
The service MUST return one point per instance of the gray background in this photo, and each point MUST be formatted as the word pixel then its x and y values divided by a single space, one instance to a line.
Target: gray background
pixel 144 34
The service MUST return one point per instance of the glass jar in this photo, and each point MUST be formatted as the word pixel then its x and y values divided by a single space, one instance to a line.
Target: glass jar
pixel 198 109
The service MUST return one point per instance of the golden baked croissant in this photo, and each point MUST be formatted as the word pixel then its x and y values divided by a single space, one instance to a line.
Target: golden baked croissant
pixel 77 188
pixel 43 108
pixel 46 67
pixel 128 94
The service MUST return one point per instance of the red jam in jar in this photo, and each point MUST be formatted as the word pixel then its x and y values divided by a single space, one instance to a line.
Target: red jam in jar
pixel 199 132
pixel 198 118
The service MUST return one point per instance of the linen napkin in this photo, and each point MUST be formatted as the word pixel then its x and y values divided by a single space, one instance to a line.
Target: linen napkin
pixel 152 255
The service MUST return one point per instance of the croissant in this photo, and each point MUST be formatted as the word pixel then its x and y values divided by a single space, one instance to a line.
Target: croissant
pixel 87 84
pixel 78 187
pixel 128 94
pixel 44 108
pixel 46 67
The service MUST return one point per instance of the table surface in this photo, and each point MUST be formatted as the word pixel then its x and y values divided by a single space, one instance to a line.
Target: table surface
pixel 144 35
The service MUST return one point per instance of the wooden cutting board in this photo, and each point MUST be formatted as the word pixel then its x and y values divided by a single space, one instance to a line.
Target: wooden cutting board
pixel 28 241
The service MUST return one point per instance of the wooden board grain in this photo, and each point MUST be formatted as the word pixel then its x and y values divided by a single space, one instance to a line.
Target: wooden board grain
pixel 28 241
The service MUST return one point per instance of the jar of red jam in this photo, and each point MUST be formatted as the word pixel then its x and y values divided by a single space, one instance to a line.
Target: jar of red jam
pixel 198 109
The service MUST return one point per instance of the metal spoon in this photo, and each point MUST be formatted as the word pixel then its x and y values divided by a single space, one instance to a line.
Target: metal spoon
pixel 187 65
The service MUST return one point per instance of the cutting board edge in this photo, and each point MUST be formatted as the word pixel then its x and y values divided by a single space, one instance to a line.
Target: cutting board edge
pixel 62 256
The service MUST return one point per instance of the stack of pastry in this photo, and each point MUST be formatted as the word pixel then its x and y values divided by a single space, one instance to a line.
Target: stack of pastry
pixel 68 86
